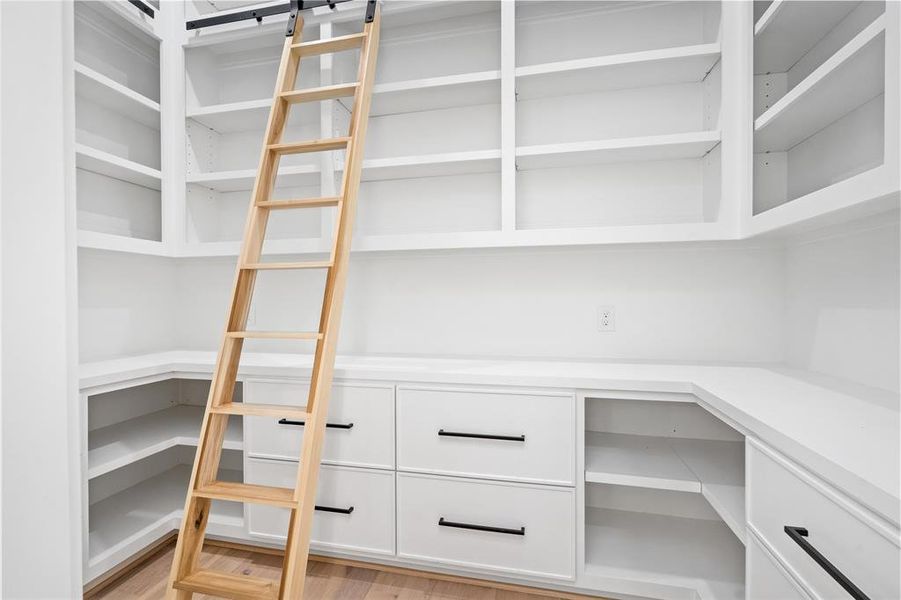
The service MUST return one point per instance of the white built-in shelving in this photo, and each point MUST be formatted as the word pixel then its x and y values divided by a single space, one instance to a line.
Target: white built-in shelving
pixel 117 128
pixel 826 112
pixel 662 475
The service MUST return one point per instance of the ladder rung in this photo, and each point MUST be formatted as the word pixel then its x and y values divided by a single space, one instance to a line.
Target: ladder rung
pixel 335 44
pixel 226 585
pixel 299 203
pixel 245 492
pixel 264 266
pixel 261 410
pixel 276 335
pixel 329 92
pixel 313 146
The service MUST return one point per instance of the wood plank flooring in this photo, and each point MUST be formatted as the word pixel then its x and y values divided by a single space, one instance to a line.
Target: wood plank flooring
pixel 325 580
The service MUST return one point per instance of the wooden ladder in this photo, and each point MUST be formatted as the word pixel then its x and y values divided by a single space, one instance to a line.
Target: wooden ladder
pixel 187 578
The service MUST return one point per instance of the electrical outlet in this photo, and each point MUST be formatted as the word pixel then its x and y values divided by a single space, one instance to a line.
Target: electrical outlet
pixel 606 318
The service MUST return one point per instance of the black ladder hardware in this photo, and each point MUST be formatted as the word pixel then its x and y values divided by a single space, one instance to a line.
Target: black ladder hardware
pixel 334 509
pixel 482 436
pixel 143 7
pixel 797 534
pixel 302 423
pixel 445 523
pixel 292 7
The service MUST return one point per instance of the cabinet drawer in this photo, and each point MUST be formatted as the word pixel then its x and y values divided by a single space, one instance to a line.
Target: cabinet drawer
pixel 860 545
pixel 369 528
pixel 766 580
pixel 525 437
pixel 456 521
pixel 361 419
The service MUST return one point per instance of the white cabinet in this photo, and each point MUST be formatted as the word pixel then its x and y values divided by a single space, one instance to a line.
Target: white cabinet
pixel 485 433
pixel 354 507
pixel 359 431
pixel 860 545
pixel 519 529
pixel 767 579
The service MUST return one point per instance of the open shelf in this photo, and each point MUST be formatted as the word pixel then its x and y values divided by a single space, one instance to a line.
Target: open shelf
pixel 120 243
pixel 124 523
pixel 433 93
pixel 788 29
pixel 850 78
pixel 642 554
pixel 115 446
pixel 645 148
pixel 241 180
pixel 430 165
pixel 684 64
pixel 99 88
pixel 712 468
pixel 104 163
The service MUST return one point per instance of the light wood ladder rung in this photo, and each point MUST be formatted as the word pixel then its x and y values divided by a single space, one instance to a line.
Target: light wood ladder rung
pixel 294 413
pixel 335 44
pixel 312 146
pixel 233 491
pixel 329 92
pixel 275 335
pixel 226 585
pixel 299 203
pixel 275 266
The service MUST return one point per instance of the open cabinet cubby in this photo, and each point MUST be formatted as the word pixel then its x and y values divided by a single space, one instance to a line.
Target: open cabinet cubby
pixel 620 125
pixel 819 98
pixel 139 448
pixel 117 130
pixel 664 498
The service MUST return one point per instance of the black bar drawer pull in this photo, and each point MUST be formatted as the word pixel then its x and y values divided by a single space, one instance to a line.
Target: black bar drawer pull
pixel 445 523
pixel 302 423
pixel 335 509
pixel 797 534
pixel 483 436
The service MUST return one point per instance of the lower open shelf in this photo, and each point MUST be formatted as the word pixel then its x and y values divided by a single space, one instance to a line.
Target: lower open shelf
pixel 132 519
pixel 649 554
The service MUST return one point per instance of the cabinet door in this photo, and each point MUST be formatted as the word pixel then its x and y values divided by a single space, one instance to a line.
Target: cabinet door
pixel 767 579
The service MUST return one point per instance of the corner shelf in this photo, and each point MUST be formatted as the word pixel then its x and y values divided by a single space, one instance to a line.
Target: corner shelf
pixel 119 243
pixel 121 444
pixel 645 148
pixel 104 163
pixel 851 77
pixel 714 469
pixel 787 30
pixel 681 64
pixel 126 522
pixel 96 87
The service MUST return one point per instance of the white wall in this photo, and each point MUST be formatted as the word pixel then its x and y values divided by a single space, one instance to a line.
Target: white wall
pixel 714 303
pixel 842 299
pixel 127 304
pixel 41 501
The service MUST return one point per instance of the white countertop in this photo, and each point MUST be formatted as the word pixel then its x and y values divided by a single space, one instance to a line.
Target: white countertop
pixel 846 433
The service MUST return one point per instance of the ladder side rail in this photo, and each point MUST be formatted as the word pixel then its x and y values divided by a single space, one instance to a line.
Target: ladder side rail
pixel 301 522
pixel 209 449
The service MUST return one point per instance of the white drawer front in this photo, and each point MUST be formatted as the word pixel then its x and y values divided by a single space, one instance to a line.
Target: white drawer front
pixel 368 529
pixel 546 550
pixel 852 539
pixel 368 443
pixel 765 579
pixel 540 428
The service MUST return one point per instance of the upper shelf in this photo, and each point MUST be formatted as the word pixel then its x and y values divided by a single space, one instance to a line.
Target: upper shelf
pixel 242 179
pixel 99 88
pixel 104 163
pixel 851 77
pixel 617 71
pixel 645 148
pixel 789 28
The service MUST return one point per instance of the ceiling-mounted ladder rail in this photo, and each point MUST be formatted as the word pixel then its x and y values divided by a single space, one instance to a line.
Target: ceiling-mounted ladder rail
pixel 143 7
pixel 292 7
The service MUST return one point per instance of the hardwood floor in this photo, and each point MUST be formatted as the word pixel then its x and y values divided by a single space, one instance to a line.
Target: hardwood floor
pixel 325 580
